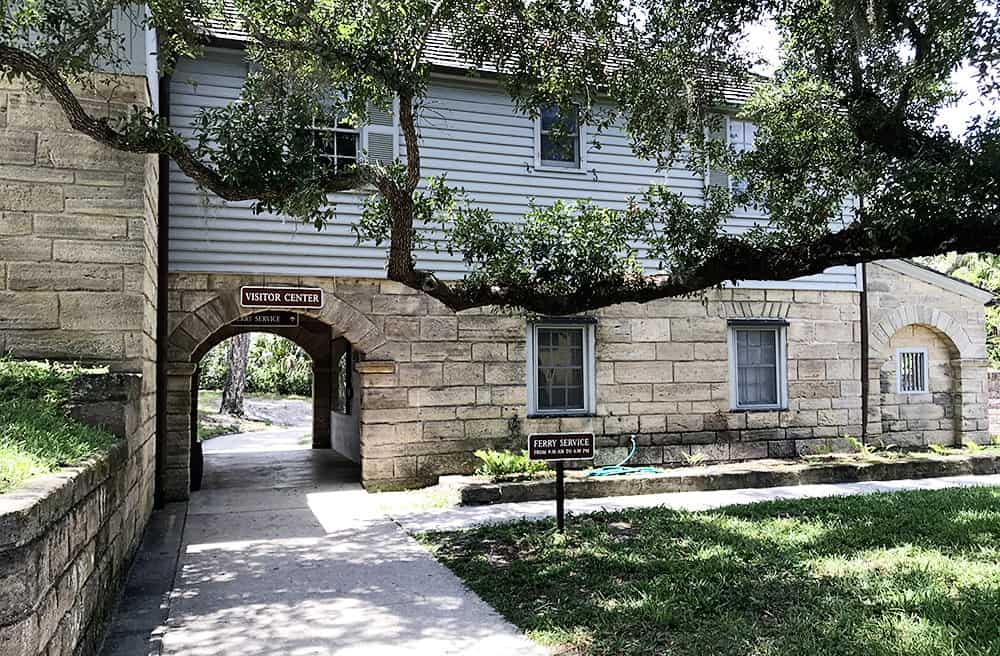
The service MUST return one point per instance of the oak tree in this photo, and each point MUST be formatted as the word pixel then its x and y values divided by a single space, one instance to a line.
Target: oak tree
pixel 848 113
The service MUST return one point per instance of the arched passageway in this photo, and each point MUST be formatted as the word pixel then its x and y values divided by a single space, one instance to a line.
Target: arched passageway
pixel 333 337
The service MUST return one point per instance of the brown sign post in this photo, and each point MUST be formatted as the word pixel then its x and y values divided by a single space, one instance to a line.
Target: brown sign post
pixel 308 298
pixel 558 448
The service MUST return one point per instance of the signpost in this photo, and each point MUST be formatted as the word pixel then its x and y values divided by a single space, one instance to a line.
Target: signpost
pixel 558 448
pixel 309 298
pixel 272 319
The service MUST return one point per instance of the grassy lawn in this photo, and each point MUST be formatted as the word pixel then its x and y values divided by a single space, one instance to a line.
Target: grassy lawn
pixel 36 435
pixel 906 574
pixel 212 423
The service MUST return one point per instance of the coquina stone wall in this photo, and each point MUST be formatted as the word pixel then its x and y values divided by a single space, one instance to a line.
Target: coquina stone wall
pixel 436 386
pixel 949 321
pixel 66 539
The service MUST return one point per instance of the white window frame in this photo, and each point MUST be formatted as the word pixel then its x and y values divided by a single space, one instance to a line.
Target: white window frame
pixel 781 330
pixel 926 373
pixel 359 140
pixel 589 368
pixel 740 211
pixel 581 135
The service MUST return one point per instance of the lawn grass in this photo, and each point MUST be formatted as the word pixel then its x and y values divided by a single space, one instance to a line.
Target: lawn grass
pixel 36 435
pixel 212 423
pixel 904 574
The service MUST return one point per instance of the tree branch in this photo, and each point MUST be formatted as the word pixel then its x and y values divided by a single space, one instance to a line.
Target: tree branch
pixel 158 139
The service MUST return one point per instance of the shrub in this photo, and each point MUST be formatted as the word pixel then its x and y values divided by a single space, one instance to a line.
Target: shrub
pixel 278 366
pixel 498 464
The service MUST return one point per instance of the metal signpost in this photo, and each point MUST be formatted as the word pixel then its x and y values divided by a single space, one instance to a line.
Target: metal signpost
pixel 558 448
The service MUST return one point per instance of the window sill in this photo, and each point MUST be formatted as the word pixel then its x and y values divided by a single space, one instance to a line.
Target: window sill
pixel 757 410
pixel 561 415
pixel 559 169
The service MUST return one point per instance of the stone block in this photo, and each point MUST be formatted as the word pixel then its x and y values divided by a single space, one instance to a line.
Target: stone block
pixel 622 351
pixel 457 396
pixel 17 147
pixel 685 423
pixel 438 328
pixel 100 252
pixel 700 372
pixel 25 249
pixel 464 373
pixel 420 374
pixel 505 373
pixel 440 351
pixel 489 352
pixel 72 150
pixel 682 391
pixel 56 276
pixel 650 330
pixel 22 197
pixel 100 311
pixel 28 310
pixel 75 226
pixel 642 372
pixel 85 346
pixel 14 224
pixel 675 351
pixel 625 392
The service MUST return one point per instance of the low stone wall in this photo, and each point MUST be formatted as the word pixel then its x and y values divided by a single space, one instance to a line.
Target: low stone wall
pixel 994 385
pixel 66 539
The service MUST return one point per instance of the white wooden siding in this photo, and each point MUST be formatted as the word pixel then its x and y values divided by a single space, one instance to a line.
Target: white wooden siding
pixel 469 130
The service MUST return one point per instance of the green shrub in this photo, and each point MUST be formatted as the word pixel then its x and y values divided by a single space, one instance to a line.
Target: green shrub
pixel 212 371
pixel 36 435
pixel 498 464
pixel 278 366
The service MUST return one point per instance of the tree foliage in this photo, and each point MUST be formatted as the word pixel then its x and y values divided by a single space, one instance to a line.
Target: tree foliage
pixel 849 113
pixel 982 270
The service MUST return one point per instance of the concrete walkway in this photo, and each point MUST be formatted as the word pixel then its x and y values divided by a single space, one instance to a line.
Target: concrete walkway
pixel 283 553
pixel 452 519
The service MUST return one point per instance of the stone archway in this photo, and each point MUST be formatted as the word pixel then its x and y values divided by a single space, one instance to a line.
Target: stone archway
pixel 199 329
pixel 961 359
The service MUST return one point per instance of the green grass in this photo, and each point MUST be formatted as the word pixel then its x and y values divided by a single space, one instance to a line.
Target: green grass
pixel 906 574
pixel 211 423
pixel 36 435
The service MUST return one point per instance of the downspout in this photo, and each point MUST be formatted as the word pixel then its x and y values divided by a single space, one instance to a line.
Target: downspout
pixel 162 294
pixel 865 381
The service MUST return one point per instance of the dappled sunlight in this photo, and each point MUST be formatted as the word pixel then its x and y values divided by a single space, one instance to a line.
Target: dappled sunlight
pixel 889 575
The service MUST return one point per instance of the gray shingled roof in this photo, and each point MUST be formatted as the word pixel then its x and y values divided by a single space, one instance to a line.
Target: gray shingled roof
pixel 439 52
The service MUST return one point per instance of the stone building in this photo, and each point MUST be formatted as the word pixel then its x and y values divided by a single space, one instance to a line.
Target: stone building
pixel 406 387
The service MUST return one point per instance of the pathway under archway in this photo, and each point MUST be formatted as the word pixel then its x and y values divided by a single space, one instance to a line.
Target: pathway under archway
pixel 212 321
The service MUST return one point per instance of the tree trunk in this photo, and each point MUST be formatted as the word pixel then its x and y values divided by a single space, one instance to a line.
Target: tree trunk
pixel 235 386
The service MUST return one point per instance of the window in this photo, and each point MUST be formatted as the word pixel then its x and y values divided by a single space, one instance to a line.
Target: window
pixel 344 391
pixel 739 136
pixel 338 144
pixel 561 369
pixel 559 139
pixel 911 371
pixel 757 366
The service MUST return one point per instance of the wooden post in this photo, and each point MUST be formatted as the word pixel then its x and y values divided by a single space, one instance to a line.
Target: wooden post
pixel 560 497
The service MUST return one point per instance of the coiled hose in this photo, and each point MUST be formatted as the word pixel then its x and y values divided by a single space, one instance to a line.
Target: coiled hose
pixel 620 469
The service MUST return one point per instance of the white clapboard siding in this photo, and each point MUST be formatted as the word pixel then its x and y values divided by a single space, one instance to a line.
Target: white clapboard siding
pixel 469 130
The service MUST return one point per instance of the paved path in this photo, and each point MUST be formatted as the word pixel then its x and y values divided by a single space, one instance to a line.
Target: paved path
pixel 283 553
pixel 448 519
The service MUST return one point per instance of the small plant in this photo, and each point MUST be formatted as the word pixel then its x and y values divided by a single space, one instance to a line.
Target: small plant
pixel 498 464
pixel 694 459
pixel 859 446
pixel 972 447
pixel 994 440
pixel 938 449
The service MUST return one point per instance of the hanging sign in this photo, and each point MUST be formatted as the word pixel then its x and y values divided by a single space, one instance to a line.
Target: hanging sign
pixel 282 297
pixel 272 319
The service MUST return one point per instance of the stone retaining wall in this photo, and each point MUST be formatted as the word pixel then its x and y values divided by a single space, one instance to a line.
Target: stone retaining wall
pixel 66 539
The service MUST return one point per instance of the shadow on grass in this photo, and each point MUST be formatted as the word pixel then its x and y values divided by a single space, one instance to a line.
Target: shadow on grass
pixel 913 573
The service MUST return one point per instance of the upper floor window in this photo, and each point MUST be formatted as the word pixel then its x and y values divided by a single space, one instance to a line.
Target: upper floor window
pixel 559 139
pixel 739 136
pixel 757 365
pixel 338 144
pixel 561 368
pixel 911 371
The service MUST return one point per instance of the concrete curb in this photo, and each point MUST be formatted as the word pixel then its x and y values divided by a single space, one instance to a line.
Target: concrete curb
pixel 756 474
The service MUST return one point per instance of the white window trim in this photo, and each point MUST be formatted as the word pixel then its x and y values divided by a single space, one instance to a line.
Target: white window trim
pixel 782 368
pixel 740 211
pixel 589 369
pixel 581 133
pixel 899 370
